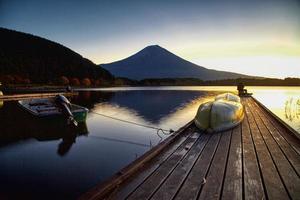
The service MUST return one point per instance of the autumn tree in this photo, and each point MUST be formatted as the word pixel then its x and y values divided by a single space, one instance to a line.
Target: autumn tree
pixel 63 80
pixel 98 82
pixel 74 81
pixel 86 82
pixel 18 79
pixel 26 81
pixel 118 82
pixel 7 79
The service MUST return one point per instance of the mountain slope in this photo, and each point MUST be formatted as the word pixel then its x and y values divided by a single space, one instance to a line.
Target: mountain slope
pixel 156 62
pixel 43 60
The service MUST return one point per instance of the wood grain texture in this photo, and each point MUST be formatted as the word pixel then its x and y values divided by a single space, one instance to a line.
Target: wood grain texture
pixel 174 181
pixel 287 173
pixel 273 184
pixel 194 181
pixel 233 183
pixel 214 178
pixel 253 185
pixel 154 181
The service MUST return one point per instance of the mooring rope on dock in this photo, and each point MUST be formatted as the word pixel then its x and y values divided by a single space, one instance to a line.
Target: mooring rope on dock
pixel 164 131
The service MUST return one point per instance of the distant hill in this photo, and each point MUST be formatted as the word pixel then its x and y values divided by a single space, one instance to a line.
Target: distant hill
pixel 42 60
pixel 157 62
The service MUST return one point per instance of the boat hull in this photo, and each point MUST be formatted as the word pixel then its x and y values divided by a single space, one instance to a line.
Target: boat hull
pixel 45 109
pixel 219 115
pixel 80 116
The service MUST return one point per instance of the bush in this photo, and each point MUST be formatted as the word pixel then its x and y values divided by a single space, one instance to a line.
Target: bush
pixel 98 82
pixel 26 81
pixel 86 82
pixel 18 79
pixel 63 80
pixel 75 81
pixel 7 79
pixel 119 82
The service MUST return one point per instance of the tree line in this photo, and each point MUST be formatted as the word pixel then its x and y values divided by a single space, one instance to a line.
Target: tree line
pixel 119 81
pixel 61 81
pixel 198 82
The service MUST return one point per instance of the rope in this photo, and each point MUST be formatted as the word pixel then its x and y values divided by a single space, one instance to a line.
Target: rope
pixel 164 131
pixel 121 141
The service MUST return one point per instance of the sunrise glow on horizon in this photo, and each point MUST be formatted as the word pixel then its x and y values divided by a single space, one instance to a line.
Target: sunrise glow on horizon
pixel 260 38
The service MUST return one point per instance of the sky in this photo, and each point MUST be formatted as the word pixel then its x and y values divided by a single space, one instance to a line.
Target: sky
pixel 258 37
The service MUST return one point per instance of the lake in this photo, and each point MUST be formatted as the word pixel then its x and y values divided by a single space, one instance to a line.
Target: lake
pixel 41 160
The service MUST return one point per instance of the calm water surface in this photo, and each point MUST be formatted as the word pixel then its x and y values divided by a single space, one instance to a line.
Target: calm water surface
pixel 282 101
pixel 41 160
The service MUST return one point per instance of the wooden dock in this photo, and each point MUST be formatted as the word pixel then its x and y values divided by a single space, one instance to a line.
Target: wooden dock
pixel 15 97
pixel 259 159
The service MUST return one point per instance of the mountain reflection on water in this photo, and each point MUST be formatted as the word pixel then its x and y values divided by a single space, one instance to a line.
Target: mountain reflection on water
pixel 150 105
pixel 168 109
pixel 48 161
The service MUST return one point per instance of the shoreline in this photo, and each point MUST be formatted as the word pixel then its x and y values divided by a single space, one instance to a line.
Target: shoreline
pixel 49 88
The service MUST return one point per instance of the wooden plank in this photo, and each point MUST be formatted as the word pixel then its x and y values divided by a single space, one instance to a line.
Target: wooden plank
pixel 193 183
pixel 288 150
pixel 145 190
pixel 273 184
pixel 286 171
pixel 233 183
pixel 253 185
pixel 102 190
pixel 175 180
pixel 282 129
pixel 214 179
pixel 133 182
pixel 279 121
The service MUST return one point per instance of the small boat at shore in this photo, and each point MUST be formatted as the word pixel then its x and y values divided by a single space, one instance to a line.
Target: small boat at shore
pixel 48 108
pixel 220 115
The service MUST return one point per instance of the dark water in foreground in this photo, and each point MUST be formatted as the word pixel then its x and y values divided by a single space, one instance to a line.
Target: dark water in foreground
pixel 45 160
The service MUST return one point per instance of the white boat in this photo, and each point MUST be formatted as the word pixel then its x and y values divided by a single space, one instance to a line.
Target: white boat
pixel 219 115
pixel 229 97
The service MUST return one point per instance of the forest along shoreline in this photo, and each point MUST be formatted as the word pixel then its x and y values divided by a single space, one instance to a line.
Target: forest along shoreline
pixel 65 84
